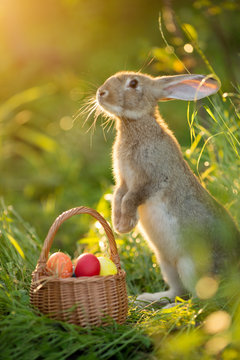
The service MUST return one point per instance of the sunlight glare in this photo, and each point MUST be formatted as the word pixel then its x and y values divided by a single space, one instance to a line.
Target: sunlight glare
pixel 188 48
pixel 217 322
pixel 206 287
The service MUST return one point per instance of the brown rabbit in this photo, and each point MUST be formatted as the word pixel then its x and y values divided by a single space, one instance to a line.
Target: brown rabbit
pixel 190 232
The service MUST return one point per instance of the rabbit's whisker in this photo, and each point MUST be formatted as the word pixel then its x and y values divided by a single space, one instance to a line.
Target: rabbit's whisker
pixel 94 121
pixel 105 124
pixel 85 108
pixel 88 101
pixel 111 124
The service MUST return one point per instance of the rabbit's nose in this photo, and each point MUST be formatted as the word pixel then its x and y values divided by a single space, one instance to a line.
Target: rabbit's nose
pixel 103 93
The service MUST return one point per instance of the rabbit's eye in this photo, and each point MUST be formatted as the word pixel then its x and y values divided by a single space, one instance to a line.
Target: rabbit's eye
pixel 133 84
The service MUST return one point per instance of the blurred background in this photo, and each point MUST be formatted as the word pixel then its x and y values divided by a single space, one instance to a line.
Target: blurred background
pixel 55 54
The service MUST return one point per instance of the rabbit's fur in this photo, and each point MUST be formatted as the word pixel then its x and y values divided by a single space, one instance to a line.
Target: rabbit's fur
pixel 190 232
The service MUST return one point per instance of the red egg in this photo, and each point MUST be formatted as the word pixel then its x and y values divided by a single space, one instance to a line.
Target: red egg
pixel 87 265
pixel 60 264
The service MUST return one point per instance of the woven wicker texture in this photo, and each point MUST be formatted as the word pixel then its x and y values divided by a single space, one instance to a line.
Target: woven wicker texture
pixel 84 301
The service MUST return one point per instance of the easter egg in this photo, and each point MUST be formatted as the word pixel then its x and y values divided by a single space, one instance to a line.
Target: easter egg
pixel 107 267
pixel 60 264
pixel 87 265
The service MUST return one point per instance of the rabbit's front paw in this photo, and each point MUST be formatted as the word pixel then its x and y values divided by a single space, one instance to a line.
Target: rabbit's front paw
pixel 116 217
pixel 126 224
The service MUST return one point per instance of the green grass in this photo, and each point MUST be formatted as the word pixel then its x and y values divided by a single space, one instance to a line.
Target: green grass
pixel 149 332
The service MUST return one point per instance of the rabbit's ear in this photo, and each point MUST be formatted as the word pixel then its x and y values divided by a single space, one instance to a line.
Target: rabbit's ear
pixel 185 87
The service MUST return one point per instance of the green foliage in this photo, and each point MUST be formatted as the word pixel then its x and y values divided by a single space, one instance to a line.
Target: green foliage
pixel 215 151
pixel 53 53
pixel 19 247
pixel 43 338
pixel 150 331
pixel 48 68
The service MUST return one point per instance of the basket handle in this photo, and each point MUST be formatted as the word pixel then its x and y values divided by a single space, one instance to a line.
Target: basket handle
pixel 66 215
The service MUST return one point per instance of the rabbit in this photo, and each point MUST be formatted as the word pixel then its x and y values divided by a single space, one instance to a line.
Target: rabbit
pixel 191 234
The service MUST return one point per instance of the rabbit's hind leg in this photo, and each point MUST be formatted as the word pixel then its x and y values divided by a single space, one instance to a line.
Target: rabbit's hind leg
pixel 187 273
pixel 170 275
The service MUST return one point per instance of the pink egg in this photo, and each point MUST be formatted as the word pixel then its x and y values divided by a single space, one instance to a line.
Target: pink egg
pixel 87 265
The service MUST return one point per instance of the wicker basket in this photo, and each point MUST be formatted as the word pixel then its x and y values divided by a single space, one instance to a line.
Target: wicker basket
pixel 84 301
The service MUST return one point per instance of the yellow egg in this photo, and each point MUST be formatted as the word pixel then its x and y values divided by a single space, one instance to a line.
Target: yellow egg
pixel 107 267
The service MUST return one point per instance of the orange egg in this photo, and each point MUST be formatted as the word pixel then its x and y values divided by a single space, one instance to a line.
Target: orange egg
pixel 60 264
